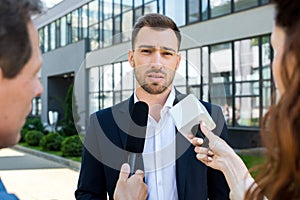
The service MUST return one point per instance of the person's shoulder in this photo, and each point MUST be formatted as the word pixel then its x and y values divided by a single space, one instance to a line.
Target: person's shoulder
pixel 118 107
pixel 210 107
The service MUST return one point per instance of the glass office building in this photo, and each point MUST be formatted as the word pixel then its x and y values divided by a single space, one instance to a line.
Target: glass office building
pixel 226 56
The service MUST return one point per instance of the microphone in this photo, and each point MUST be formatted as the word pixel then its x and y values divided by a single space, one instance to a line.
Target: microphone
pixel 136 133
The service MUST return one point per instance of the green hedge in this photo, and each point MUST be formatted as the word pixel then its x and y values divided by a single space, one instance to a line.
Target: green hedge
pixel 71 146
pixel 51 142
pixel 33 138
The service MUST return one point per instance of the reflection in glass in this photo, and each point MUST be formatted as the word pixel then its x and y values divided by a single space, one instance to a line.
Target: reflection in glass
pixel 94 79
pixel 204 10
pixel 117 77
pixel 138 3
pixel 75 26
pixel 94 104
pixel 84 19
pixel 150 8
pixel 247 111
pixel 108 32
pixel 127 77
pixel 63 31
pixel 46 38
pixel 246 60
pixel 57 33
pixel 194 75
pixel 107 9
pixel 52 36
pixel 244 4
pixel 117 30
pixel 94 36
pixel 176 11
pixel 117 7
pixel 107 78
pixel 247 88
pixel 193 8
pixel 42 39
pixel 127 26
pixel 138 12
pixel 126 5
pixel 219 7
pixel 180 75
pixel 93 12
pixel 266 57
pixel 221 74
pixel 266 96
pixel 107 99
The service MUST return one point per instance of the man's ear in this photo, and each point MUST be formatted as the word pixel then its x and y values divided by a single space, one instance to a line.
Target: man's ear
pixel 178 61
pixel 130 58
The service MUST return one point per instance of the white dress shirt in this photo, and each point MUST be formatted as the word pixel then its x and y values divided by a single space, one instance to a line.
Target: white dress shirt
pixel 159 154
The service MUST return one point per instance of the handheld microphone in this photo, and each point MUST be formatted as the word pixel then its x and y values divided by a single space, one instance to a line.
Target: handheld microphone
pixel 136 133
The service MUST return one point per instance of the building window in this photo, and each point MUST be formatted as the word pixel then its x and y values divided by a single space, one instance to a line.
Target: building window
pixel 150 7
pixel 75 26
pixel 63 31
pixel 109 84
pixel 36 106
pixel 219 7
pixel 42 40
pixel 116 19
pixel 193 14
pixel 52 36
pixel 176 11
pixel 244 4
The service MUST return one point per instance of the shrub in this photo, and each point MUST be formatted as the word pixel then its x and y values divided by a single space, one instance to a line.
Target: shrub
pixel 32 123
pixel 71 146
pixel 33 138
pixel 52 141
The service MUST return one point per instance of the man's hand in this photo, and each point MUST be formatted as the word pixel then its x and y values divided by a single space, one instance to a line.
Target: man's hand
pixel 132 188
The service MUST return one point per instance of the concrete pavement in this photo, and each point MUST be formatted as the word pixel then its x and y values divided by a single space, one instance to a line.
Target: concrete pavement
pixel 35 178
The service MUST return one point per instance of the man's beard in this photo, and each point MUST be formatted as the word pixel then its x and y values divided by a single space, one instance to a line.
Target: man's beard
pixel 154 88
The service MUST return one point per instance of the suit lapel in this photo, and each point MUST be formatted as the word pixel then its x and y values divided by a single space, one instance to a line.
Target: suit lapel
pixel 121 115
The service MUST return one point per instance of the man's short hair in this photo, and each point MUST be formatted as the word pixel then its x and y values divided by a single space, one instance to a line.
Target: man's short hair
pixel 15 46
pixel 155 21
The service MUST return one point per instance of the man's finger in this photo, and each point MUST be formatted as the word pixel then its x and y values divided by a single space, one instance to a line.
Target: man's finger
pixel 124 173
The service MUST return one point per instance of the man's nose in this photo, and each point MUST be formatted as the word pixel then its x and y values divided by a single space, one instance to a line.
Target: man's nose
pixel 156 58
pixel 39 89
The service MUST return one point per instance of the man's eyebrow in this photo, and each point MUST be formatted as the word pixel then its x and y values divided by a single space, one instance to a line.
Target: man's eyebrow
pixel 168 48
pixel 153 47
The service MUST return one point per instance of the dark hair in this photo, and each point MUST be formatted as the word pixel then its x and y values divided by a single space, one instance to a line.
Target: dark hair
pixel 279 176
pixel 155 21
pixel 15 46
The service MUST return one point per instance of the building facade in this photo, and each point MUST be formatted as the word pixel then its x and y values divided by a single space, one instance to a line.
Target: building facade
pixel 226 56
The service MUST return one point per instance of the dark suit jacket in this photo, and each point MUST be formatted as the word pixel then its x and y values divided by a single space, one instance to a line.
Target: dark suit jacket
pixel 104 154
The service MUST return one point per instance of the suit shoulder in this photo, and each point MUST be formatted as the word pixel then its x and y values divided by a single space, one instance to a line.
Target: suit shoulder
pixel 210 106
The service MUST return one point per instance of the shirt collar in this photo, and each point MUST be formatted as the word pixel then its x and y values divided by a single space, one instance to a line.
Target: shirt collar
pixel 169 102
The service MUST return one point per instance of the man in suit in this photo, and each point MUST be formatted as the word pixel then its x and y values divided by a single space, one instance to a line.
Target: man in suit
pixel 171 168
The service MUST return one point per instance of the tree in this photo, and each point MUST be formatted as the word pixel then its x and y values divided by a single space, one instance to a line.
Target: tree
pixel 70 121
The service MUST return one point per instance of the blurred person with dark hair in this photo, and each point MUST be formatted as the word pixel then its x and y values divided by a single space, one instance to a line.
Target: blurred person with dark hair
pixel 20 62
pixel 279 177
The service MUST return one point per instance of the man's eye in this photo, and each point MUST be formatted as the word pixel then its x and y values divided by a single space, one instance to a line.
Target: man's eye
pixel 168 53
pixel 145 51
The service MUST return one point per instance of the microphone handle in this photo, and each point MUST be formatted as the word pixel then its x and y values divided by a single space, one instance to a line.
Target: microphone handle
pixel 132 161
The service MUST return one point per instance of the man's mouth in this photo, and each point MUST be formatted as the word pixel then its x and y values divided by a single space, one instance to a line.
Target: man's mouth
pixel 156 77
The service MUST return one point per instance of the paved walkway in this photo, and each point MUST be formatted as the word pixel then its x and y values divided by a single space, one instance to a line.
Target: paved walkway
pixel 34 178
